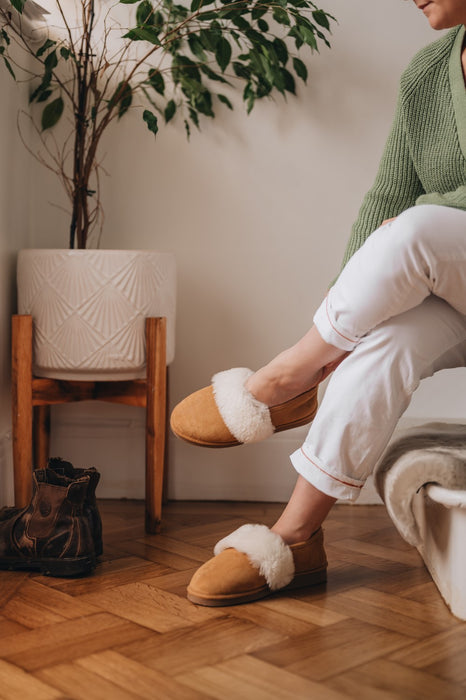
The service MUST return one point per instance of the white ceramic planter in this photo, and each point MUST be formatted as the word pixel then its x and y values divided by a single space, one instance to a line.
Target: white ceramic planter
pixel 89 308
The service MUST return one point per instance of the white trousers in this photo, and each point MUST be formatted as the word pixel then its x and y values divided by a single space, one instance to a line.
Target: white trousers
pixel 399 306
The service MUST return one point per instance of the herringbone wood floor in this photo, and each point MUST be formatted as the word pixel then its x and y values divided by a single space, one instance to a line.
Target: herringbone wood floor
pixel 377 630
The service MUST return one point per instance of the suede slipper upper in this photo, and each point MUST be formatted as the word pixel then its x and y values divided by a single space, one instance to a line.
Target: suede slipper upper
pixel 226 413
pixel 252 563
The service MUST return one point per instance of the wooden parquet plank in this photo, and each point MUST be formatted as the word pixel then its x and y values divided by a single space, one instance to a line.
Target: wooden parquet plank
pixel 402 580
pixel 247 678
pixel 386 679
pixel 8 627
pixel 386 536
pixel 181 547
pixel 433 649
pixel 410 558
pixel 37 605
pixel 327 651
pixel 326 664
pixel 73 681
pixel 170 560
pixel 321 616
pixel 271 620
pixel 16 684
pixel 184 650
pixel 65 641
pixel 390 612
pixel 147 606
pixel 175 582
pixel 137 678
pixel 108 574
pixel 432 611
pixel 11 582
pixel 451 667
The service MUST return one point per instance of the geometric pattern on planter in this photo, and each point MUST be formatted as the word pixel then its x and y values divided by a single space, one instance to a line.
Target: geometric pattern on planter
pixel 89 308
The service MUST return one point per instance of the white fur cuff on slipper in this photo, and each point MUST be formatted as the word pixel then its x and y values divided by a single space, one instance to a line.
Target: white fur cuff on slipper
pixel 247 419
pixel 266 551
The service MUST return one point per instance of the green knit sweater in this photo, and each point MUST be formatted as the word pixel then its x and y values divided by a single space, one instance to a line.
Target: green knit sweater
pixel 424 161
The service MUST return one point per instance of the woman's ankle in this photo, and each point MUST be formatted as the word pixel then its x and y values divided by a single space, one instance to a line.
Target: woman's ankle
pixel 293 535
pixel 276 383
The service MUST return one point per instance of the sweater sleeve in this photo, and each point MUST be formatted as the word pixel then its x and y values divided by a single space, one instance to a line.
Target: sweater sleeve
pixel 396 187
pixel 456 199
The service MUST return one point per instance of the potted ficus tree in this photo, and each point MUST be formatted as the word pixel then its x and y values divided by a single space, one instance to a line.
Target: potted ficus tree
pixel 87 61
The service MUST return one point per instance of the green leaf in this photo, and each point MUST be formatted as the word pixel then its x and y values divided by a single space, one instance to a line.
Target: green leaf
pixel 262 24
pixel 18 5
pixel 46 45
pixel 195 5
pixel 8 65
pixel 258 11
pixel 209 38
pixel 281 16
pixel 281 50
pixel 241 70
pixel 51 61
pixel 52 113
pixel 203 103
pixel 128 2
pixel 145 14
pixel 183 66
pixel 300 68
pixel 212 75
pixel 290 84
pixel 223 53
pixel 156 81
pixel 225 101
pixel 321 18
pixel 143 34
pixel 170 110
pixel 44 96
pixel 307 36
pixel 188 129
pixel 5 36
pixel 40 88
pixel 123 97
pixel 65 53
pixel 196 47
pixel 151 121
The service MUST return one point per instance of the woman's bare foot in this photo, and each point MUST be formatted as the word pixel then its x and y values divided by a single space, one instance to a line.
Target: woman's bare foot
pixel 295 370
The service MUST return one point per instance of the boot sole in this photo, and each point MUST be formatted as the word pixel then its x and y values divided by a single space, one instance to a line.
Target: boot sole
pixel 61 568
pixel 310 578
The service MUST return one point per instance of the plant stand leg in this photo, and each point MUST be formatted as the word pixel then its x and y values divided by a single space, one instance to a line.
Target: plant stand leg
pixel 155 420
pixel 41 430
pixel 22 408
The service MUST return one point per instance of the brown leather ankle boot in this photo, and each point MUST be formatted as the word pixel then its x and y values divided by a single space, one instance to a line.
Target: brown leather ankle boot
pixel 91 511
pixel 51 535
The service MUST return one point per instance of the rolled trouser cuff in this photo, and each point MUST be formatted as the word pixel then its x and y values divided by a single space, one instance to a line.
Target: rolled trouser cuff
pixel 330 330
pixel 334 485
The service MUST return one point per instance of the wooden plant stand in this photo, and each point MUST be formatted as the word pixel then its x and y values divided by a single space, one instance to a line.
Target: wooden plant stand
pixel 33 396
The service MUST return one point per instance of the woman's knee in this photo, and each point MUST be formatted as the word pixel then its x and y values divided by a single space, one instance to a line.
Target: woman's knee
pixel 428 228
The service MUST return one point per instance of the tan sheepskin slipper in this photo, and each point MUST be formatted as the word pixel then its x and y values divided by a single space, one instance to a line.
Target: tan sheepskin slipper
pixel 254 562
pixel 226 413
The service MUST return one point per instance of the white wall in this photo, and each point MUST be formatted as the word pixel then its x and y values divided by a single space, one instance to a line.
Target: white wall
pixel 257 210
pixel 14 205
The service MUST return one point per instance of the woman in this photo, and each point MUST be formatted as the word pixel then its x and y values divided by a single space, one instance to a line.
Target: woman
pixel 396 314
